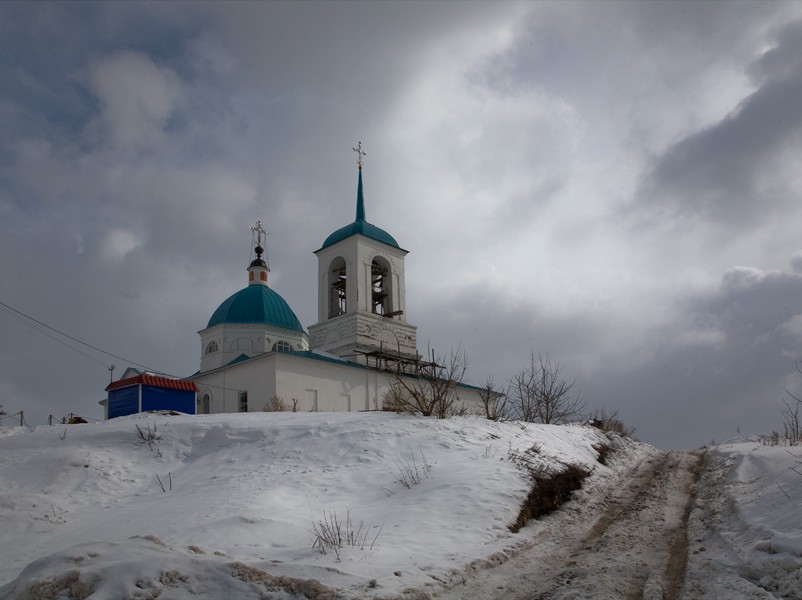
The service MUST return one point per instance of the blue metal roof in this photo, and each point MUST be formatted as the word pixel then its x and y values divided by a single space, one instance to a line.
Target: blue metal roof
pixel 360 226
pixel 256 304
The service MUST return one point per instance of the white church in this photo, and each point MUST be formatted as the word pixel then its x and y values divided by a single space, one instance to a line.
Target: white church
pixel 255 352
pixel 256 356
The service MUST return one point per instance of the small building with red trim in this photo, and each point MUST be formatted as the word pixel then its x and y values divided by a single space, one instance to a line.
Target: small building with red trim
pixel 138 392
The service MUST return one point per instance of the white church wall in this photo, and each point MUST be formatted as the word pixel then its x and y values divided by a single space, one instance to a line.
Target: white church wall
pixel 336 387
pixel 256 378
pixel 315 385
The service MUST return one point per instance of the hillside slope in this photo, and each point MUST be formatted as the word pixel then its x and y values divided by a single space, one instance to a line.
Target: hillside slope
pixel 82 507
pixel 227 506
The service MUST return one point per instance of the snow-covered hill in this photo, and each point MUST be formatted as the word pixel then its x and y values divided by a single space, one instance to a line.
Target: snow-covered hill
pixel 82 506
pixel 227 505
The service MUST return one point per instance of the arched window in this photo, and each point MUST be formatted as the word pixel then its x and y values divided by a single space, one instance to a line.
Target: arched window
pixel 282 346
pixel 381 292
pixel 338 302
pixel 211 347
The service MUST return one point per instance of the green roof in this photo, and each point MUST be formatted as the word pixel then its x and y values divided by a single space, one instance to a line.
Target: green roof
pixel 360 226
pixel 256 304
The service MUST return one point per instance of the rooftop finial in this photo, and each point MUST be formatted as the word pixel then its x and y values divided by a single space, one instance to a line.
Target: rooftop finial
pixel 258 270
pixel 259 230
pixel 359 154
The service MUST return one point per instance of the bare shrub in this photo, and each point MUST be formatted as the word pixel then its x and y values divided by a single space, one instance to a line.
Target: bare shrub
pixel 394 400
pixel 429 388
pixel 150 437
pixel 332 533
pixel 410 473
pixel 773 439
pixel 609 422
pixel 539 393
pixel 275 404
pixel 528 461
pixel 492 399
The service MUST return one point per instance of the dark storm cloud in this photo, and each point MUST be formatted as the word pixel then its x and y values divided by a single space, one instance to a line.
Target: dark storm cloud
pixel 500 341
pixel 138 152
pixel 728 173
pixel 141 140
pixel 723 364
pixel 100 197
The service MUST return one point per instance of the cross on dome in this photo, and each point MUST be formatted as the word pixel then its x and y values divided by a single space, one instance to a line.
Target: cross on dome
pixel 258 230
pixel 259 266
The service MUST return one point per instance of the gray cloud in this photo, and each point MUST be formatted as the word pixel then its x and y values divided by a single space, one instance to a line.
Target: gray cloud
pixel 732 172
pixel 723 363
pixel 511 149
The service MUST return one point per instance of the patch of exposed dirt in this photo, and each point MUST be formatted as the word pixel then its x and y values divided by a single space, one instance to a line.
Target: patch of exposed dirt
pixel 629 543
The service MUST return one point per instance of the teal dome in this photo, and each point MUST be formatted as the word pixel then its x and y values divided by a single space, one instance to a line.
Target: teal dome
pixel 256 304
pixel 363 228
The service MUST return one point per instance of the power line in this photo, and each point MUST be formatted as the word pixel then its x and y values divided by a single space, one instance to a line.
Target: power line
pixel 74 339
pixel 54 338
pixel 16 314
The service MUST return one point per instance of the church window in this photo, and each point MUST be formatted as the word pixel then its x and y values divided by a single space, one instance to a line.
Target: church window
pixel 338 301
pixel 282 346
pixel 380 287
pixel 243 401
pixel 211 347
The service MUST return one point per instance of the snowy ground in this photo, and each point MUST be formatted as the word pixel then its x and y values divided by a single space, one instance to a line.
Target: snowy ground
pixel 745 532
pixel 82 513
pixel 87 511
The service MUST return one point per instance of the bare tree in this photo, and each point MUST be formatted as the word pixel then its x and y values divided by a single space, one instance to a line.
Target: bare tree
pixel 791 423
pixel 430 388
pixel 539 393
pixel 492 399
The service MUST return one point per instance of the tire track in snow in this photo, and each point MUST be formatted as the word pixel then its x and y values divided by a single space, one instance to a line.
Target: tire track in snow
pixel 633 544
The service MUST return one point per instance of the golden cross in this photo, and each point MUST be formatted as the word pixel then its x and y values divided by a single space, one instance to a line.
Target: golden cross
pixel 359 154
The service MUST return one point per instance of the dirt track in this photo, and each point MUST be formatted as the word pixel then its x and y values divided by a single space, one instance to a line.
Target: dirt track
pixel 633 544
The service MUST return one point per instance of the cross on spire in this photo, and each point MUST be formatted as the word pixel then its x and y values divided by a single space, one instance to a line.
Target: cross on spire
pixel 359 154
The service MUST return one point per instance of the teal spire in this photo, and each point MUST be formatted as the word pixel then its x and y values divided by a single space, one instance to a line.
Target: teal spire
pixel 360 226
pixel 360 200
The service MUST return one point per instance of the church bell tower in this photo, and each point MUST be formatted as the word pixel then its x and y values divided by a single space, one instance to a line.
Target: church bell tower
pixel 361 294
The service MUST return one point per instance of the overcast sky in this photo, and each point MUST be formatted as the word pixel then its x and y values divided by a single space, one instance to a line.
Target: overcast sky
pixel 614 184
